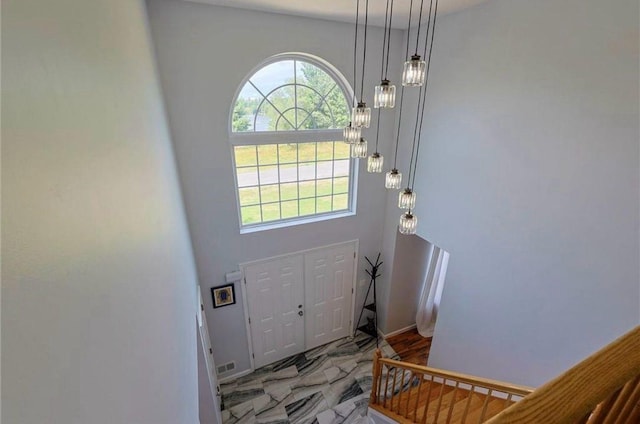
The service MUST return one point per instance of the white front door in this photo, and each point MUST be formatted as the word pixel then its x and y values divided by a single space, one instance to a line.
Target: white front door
pixel 328 285
pixel 275 298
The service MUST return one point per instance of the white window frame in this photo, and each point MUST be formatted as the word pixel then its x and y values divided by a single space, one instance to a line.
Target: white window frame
pixel 255 138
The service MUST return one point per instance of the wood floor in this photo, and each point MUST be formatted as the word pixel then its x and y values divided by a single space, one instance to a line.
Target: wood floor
pixel 411 346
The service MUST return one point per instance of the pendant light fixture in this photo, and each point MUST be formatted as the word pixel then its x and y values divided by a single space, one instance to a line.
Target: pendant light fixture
pixel 375 162
pixel 413 72
pixel 385 93
pixel 393 179
pixel 352 133
pixel 408 223
pixel 407 199
pixel 361 115
pixel 359 150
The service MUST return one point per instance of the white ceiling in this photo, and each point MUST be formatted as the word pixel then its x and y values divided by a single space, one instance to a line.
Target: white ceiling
pixel 344 10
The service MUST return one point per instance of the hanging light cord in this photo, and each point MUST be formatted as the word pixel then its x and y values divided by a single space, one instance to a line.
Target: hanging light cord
pixel 364 53
pixel 421 97
pixel 433 33
pixel 384 40
pixel 384 45
pixel 395 158
pixel 388 35
pixel 378 129
pixel 355 53
pixel 419 25
pixel 409 30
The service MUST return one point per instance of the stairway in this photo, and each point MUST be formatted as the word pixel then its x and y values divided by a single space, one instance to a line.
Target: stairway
pixel 443 404
pixel 602 389
pixel 411 393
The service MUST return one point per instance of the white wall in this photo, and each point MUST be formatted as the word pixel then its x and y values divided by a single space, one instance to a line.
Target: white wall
pixel 528 176
pixel 204 52
pixel 98 281
pixel 409 271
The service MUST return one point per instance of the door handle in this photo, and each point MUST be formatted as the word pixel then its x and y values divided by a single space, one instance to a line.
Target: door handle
pixel 300 313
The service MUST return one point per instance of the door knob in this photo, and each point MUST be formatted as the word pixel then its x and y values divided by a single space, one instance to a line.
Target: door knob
pixel 300 313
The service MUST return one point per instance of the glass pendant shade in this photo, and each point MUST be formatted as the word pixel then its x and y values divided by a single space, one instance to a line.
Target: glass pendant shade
pixel 351 134
pixel 393 179
pixel 408 224
pixel 359 150
pixel 374 164
pixel 407 199
pixel 385 95
pixel 413 72
pixel 361 116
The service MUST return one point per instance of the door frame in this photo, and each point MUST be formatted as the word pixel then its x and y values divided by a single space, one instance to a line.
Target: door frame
pixel 207 353
pixel 243 286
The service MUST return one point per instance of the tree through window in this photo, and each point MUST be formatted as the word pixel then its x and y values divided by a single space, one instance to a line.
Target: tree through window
pixel 286 132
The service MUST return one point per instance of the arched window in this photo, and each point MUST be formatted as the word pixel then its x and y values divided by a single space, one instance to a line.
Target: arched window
pixel 291 165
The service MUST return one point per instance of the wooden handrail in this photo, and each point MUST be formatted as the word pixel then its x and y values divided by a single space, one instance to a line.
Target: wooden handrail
pixel 603 378
pixel 418 394
pixel 462 378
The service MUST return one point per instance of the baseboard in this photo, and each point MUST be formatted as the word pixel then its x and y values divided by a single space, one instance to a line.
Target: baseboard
pixel 395 333
pixel 234 376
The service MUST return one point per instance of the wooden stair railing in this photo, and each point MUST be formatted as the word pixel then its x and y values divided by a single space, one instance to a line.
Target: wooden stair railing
pixel 602 389
pixel 410 393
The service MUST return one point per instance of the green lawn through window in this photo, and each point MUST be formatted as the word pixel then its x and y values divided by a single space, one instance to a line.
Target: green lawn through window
pixel 283 181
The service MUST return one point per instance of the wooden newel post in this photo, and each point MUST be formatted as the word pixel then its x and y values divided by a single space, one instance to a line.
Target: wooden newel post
pixel 377 371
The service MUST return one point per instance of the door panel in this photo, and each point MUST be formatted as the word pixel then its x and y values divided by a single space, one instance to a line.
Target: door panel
pixel 329 279
pixel 275 296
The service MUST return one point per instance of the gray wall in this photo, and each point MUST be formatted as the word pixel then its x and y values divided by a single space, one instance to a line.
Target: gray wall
pixel 98 280
pixel 392 309
pixel 528 176
pixel 409 271
pixel 204 52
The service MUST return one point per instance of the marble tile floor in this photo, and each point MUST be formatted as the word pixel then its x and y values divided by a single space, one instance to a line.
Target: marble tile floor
pixel 329 384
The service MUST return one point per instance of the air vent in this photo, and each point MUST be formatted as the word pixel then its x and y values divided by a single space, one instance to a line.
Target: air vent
pixel 229 366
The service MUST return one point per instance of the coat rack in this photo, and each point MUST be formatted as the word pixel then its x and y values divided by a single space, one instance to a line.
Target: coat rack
pixel 371 326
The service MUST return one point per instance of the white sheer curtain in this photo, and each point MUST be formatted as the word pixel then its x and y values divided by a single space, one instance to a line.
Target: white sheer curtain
pixel 437 263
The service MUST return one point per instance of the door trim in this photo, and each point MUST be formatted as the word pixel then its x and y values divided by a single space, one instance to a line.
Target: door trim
pixel 243 284
pixel 207 354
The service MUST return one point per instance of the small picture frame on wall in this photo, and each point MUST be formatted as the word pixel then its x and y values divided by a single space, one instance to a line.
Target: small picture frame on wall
pixel 223 295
